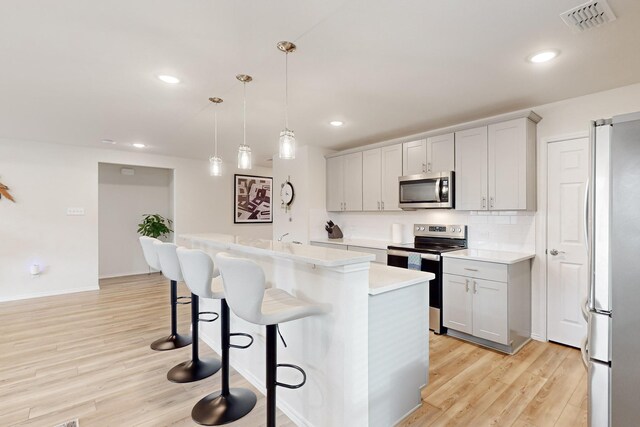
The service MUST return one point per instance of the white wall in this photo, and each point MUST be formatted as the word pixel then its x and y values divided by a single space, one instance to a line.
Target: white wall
pixel 46 179
pixel 122 201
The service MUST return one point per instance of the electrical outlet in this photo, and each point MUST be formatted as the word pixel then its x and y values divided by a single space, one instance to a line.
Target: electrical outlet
pixel 75 211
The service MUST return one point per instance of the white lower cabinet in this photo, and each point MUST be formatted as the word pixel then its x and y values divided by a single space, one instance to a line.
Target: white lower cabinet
pixel 479 308
pixel 457 310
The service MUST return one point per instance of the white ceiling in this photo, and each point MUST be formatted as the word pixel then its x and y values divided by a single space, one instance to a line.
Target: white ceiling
pixel 79 71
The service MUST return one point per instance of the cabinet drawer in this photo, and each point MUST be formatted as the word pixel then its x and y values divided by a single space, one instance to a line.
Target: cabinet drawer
pixel 381 254
pixel 476 269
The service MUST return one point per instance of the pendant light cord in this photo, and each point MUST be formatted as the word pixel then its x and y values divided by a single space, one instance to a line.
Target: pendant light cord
pixel 286 90
pixel 215 138
pixel 244 113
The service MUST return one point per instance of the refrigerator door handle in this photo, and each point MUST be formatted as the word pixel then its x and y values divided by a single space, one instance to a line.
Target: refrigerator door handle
pixel 584 353
pixel 585 309
pixel 586 216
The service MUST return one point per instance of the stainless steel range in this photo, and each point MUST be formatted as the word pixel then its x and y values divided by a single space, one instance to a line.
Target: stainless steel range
pixel 430 241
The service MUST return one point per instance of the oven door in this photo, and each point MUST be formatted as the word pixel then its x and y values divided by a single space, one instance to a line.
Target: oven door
pixel 426 191
pixel 431 263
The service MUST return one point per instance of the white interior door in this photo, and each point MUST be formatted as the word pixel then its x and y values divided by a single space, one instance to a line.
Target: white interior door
pixel 567 266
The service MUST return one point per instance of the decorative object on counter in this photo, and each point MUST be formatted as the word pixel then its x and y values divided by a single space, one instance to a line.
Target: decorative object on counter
pixel 252 196
pixel 215 162
pixel 154 225
pixel 333 230
pixel 4 191
pixel 286 194
pixel 287 137
pixel 244 151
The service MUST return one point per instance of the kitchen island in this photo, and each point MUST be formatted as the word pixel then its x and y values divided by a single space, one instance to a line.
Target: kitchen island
pixel 366 359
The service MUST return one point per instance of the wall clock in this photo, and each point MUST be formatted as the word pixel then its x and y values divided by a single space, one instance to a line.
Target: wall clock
pixel 286 195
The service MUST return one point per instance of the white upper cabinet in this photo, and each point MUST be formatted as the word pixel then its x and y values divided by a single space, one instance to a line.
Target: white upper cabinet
pixel 344 182
pixel 335 183
pixel 441 153
pixel 471 169
pixel 496 166
pixel 391 170
pixel 414 157
pixel 353 182
pixel 371 180
pixel 512 165
pixel 381 168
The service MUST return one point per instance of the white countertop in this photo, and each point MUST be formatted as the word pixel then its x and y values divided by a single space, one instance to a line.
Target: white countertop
pixel 499 257
pixel 321 256
pixel 383 278
pixel 365 243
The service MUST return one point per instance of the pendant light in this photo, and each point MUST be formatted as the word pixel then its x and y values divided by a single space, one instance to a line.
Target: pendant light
pixel 287 137
pixel 244 151
pixel 215 162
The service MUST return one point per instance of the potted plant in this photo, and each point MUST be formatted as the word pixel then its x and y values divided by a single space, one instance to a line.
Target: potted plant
pixel 154 225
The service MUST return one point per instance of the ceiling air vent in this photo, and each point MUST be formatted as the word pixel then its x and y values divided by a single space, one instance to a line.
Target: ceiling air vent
pixel 589 15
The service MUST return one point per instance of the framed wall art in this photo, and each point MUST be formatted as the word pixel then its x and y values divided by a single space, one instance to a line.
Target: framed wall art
pixel 252 196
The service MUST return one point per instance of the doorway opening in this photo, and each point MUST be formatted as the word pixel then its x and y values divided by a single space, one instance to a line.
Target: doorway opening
pixel 125 194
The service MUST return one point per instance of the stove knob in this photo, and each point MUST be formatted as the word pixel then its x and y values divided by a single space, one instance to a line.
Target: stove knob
pixel 453 230
pixel 421 228
pixel 459 230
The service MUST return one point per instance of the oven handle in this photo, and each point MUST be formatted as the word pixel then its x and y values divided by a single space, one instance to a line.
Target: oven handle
pixel 405 254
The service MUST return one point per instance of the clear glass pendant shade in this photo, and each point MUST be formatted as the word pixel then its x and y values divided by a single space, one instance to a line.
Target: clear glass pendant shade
pixel 287 144
pixel 215 166
pixel 244 157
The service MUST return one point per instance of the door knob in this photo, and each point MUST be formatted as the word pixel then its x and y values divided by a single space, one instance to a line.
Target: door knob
pixel 555 252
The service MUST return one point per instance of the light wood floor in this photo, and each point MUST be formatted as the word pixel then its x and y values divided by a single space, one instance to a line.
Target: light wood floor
pixel 544 384
pixel 87 356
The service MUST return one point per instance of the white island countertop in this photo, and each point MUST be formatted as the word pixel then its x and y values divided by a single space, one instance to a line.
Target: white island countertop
pixel 498 257
pixel 383 278
pixel 317 255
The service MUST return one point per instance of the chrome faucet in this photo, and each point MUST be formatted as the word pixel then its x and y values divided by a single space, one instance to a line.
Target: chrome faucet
pixel 281 237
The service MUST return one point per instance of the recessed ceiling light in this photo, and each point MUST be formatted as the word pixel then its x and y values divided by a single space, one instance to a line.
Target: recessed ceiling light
pixel 544 56
pixel 138 145
pixel 336 123
pixel 108 141
pixel 169 79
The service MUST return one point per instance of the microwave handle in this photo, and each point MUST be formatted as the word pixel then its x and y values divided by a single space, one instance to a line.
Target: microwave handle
pixel 438 191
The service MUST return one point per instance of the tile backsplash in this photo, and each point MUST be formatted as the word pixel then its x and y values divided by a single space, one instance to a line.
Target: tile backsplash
pixel 501 230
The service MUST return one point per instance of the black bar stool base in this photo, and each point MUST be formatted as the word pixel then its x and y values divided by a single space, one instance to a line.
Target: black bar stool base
pixel 188 372
pixel 215 409
pixel 171 342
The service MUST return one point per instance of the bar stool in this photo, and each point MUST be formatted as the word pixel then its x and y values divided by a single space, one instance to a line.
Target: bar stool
pixel 226 405
pixel 174 340
pixel 244 287
pixel 196 368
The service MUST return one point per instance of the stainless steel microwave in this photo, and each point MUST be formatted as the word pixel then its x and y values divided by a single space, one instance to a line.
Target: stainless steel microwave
pixel 427 191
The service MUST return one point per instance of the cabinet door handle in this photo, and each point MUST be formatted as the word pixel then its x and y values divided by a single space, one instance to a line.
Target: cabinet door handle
pixel 424 167
pixel 471 269
pixel 466 284
pixel 378 205
pixel 475 287
pixel 491 201
pixel 429 167
pixel 345 206
pixel 382 205
pixel 484 202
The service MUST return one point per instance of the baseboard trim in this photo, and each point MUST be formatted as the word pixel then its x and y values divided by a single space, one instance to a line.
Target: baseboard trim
pixel 293 415
pixel 49 293
pixel 538 338
pixel 135 273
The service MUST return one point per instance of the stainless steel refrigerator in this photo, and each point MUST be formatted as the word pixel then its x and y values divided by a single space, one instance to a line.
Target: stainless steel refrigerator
pixel 611 350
